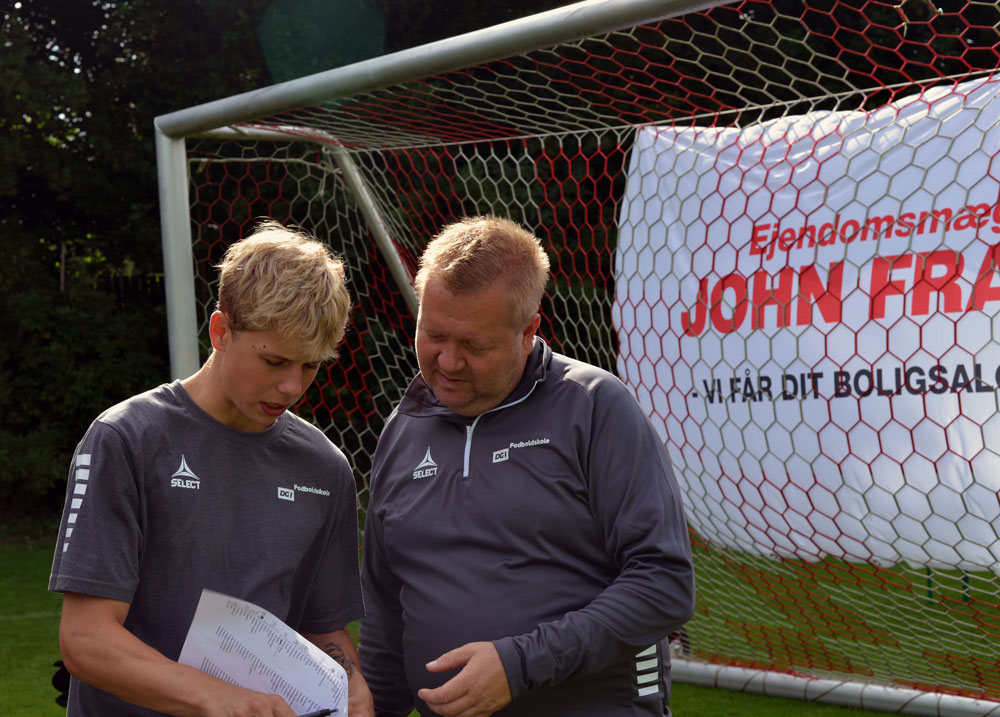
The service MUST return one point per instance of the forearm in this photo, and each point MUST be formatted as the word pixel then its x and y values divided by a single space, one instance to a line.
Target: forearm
pixel 340 647
pixel 618 623
pixel 98 650
pixel 118 662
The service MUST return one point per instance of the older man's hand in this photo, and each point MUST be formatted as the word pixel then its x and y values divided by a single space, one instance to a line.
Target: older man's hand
pixel 479 689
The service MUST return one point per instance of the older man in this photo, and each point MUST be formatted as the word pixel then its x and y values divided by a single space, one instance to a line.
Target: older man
pixel 525 550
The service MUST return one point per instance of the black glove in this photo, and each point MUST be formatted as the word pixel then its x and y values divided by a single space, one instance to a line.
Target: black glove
pixel 60 681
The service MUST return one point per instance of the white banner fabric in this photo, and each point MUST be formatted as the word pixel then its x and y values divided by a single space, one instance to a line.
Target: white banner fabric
pixel 807 309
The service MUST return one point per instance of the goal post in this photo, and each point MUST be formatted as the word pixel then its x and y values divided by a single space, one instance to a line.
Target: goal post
pixel 518 36
pixel 777 221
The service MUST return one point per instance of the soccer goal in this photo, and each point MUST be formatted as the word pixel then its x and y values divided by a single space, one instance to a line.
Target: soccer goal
pixel 778 221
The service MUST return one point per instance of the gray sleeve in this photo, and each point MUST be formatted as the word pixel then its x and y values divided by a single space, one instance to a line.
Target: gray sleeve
pixel 100 536
pixel 381 649
pixel 334 598
pixel 636 503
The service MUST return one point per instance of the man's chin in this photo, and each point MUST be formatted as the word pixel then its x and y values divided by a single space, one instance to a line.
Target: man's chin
pixel 457 401
pixel 449 394
pixel 458 405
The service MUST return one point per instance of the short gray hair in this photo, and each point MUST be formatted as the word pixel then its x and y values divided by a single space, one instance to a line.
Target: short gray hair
pixel 474 253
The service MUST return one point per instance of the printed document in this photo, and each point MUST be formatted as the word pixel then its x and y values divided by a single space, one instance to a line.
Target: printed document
pixel 246 645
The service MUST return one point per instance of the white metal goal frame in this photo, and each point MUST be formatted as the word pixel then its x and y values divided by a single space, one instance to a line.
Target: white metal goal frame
pixel 591 124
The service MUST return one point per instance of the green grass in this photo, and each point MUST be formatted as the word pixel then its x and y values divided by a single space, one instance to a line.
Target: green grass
pixel 29 629
pixel 29 625
pixel 695 701
pixel 908 625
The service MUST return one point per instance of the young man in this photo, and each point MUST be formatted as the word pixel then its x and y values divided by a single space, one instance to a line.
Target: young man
pixel 525 543
pixel 210 482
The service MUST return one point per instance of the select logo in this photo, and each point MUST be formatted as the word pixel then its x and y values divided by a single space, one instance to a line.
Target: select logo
pixel 286 493
pixel 427 467
pixel 184 477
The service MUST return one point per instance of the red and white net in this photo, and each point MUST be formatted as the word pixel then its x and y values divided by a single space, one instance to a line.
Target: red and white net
pixel 778 223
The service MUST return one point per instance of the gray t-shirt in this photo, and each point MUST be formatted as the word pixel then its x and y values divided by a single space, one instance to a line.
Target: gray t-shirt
pixel 163 501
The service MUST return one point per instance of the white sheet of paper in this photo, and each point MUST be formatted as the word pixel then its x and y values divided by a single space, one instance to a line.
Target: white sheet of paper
pixel 246 645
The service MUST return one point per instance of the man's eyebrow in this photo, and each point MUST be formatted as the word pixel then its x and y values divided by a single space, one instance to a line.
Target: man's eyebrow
pixel 265 351
pixel 287 359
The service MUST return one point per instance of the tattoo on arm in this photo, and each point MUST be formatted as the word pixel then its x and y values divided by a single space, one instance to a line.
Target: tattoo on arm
pixel 337 653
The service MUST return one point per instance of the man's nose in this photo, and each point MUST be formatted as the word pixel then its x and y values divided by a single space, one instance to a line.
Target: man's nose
pixel 450 358
pixel 294 381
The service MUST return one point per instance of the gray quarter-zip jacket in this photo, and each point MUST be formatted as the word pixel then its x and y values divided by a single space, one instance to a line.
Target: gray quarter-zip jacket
pixel 551 525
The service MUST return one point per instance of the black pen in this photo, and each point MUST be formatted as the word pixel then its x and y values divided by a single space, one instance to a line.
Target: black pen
pixel 319 713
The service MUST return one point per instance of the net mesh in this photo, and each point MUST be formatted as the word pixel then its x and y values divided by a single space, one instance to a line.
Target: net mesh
pixel 843 514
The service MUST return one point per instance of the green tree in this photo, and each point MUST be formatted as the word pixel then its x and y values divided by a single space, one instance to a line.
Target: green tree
pixel 81 312
pixel 79 217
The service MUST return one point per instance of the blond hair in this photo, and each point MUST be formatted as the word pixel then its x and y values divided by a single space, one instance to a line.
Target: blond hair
pixel 472 254
pixel 286 280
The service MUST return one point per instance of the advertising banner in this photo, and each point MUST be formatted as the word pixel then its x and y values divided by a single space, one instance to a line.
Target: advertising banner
pixel 807 308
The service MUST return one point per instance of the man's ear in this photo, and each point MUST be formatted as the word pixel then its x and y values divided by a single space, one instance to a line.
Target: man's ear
pixel 219 330
pixel 528 335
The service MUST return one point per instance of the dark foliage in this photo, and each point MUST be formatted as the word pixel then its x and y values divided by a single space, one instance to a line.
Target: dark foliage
pixel 81 303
